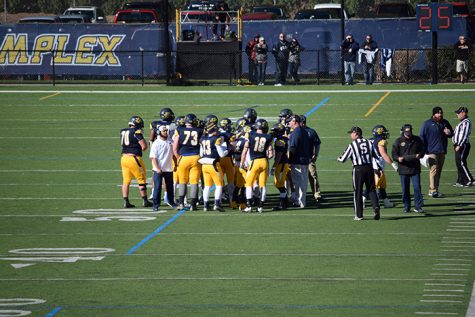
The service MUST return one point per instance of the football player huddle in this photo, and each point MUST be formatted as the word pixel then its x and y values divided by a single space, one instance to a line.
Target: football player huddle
pixel 189 154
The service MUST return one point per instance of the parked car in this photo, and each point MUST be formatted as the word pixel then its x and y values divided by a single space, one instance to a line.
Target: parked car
pixel 40 19
pixel 394 10
pixel 332 9
pixel 279 12
pixel 136 16
pixel 77 18
pixel 311 14
pixel 159 7
pixel 95 13
pixel 259 16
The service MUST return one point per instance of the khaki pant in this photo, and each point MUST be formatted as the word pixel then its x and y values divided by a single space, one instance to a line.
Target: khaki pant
pixel 313 178
pixel 436 162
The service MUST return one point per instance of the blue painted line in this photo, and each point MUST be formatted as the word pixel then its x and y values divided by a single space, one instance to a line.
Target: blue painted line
pixel 157 231
pixel 324 101
pixel 54 311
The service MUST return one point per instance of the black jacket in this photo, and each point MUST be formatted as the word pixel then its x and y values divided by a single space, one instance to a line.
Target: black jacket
pixel 408 149
pixel 349 50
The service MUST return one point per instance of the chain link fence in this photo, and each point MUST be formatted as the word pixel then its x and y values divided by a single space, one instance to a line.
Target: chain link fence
pixel 189 67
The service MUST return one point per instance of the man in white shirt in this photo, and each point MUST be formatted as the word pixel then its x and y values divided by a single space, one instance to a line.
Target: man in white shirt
pixel 161 155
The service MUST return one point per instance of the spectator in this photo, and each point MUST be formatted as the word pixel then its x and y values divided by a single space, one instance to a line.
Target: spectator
pixel 221 18
pixel 261 60
pixel 161 155
pixel 251 58
pixel 462 55
pixel 434 134
pixel 349 49
pixel 281 52
pixel 299 158
pixel 315 142
pixel 368 56
pixel 461 141
pixel 362 155
pixel 407 151
pixel 294 59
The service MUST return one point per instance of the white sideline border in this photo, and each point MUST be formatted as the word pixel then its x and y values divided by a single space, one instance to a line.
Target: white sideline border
pixel 236 91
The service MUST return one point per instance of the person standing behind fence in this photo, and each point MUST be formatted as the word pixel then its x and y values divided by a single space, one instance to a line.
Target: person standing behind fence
pixel 362 155
pixel 281 52
pixel 349 49
pixel 369 50
pixel 294 59
pixel 222 19
pixel 407 151
pixel 261 60
pixel 461 140
pixel 435 133
pixel 462 55
pixel 251 59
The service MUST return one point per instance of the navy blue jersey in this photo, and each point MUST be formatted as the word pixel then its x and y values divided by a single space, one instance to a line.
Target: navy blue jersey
pixel 281 144
pixel 238 148
pixel 228 138
pixel 129 139
pixel 258 144
pixel 188 141
pixel 208 144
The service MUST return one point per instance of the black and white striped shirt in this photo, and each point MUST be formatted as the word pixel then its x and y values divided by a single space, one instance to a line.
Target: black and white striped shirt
pixel 361 152
pixel 462 132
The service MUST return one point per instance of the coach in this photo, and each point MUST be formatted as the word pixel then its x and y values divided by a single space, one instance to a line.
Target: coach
pixel 300 154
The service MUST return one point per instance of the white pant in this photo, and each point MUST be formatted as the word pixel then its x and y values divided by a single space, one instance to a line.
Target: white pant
pixel 299 175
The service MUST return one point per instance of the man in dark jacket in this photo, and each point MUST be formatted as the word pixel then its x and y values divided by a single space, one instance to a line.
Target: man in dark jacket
pixel 369 51
pixel 407 151
pixel 251 58
pixel 281 52
pixel 349 50
pixel 300 153
pixel 435 133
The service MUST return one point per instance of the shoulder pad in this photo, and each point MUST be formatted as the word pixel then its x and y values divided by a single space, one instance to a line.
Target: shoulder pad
pixel 219 141
pixel 383 142
pixel 138 132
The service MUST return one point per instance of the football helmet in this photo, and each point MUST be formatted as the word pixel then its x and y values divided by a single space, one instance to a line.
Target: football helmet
pixel 210 127
pixel 278 130
pixel 250 115
pixel 284 115
pixel 211 118
pixel 136 121
pixel 166 114
pixel 192 120
pixel 226 124
pixel 180 121
pixel 261 124
pixel 380 132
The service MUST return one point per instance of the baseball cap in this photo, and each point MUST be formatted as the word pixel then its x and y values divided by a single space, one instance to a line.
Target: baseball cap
pixel 461 109
pixel 357 130
pixel 437 110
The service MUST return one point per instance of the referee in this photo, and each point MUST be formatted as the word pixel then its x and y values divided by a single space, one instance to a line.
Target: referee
pixel 461 140
pixel 361 152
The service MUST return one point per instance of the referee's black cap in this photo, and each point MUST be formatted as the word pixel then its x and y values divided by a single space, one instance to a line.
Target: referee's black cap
pixel 461 109
pixel 357 130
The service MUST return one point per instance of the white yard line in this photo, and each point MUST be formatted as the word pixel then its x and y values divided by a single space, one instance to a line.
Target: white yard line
pixel 471 305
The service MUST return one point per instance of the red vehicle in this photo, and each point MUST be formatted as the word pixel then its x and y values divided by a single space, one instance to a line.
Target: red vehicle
pixel 136 16
pixel 259 16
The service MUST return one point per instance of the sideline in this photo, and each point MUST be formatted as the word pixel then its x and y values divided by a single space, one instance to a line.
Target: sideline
pixel 54 312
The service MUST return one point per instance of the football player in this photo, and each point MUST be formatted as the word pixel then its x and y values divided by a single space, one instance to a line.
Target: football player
pixel 239 173
pixel 280 169
pixel 212 149
pixel 259 147
pixel 380 143
pixel 284 118
pixel 225 130
pixel 250 117
pixel 133 145
pixel 186 149
pixel 167 118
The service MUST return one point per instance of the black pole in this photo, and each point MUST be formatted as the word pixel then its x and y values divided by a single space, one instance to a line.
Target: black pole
pixel 168 52
pixel 54 68
pixel 342 37
pixel 142 68
pixel 435 75
pixel 318 67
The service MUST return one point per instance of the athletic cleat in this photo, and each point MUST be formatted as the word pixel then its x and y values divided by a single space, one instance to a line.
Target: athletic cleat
pixel 358 218
pixel 419 210
pixel 180 207
pixel 406 210
pixel 128 205
pixel 147 203
pixel 260 209
pixel 435 195
pixel 242 207
pixel 218 208
pixel 377 214
pixel 364 202
pixel 388 203
pixel 193 208
pixel 248 209
pixel 460 185
pixel 155 209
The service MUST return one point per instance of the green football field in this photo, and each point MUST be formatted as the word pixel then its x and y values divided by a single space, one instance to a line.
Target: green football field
pixel 67 248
